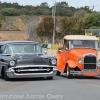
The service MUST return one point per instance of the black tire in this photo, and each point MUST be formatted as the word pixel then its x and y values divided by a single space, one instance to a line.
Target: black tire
pixel 58 73
pixel 5 75
pixel 68 73
pixel 2 73
pixel 49 78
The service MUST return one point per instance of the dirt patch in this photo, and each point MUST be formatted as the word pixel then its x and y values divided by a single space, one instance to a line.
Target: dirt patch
pixel 18 23
pixel 13 35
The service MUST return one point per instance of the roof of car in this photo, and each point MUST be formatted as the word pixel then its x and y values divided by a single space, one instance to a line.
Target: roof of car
pixel 10 42
pixel 80 37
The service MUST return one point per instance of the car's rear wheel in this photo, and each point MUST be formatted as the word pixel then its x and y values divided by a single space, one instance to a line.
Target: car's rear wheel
pixel 58 73
pixel 5 75
pixel 68 72
pixel 49 78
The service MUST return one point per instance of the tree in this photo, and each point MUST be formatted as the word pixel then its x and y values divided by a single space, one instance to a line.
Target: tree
pixel 67 26
pixel 31 30
pixel 80 14
pixel 23 11
pixel 45 28
pixel 86 8
pixel 10 12
pixel 91 21
pixel 63 9
pixel 38 11
pixel 44 5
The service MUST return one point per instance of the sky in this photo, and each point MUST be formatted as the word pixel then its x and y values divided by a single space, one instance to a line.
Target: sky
pixel 75 3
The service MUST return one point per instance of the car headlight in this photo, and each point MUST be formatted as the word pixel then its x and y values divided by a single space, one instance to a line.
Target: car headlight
pixel 99 62
pixel 80 60
pixel 12 63
pixel 53 61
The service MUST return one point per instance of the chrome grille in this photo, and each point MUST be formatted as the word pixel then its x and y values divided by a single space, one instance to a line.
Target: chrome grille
pixel 33 70
pixel 90 61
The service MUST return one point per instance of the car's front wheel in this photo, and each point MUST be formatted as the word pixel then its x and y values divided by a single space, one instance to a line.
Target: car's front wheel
pixel 68 72
pixel 5 75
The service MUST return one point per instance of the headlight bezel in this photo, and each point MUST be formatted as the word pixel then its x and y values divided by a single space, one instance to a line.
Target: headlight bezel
pixel 80 60
pixel 53 61
pixel 98 62
pixel 12 63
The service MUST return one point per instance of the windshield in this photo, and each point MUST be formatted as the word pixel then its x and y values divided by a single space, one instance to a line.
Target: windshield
pixel 83 43
pixel 26 48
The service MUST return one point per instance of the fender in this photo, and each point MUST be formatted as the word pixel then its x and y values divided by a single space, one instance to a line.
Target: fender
pixel 60 62
pixel 71 64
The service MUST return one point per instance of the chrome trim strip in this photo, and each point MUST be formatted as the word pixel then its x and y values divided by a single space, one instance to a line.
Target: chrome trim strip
pixel 33 66
pixel 89 54
pixel 34 70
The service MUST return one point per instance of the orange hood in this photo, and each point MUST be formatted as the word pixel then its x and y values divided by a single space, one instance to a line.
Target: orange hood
pixel 79 52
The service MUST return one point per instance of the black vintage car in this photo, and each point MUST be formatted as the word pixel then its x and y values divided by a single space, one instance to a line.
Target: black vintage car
pixel 25 59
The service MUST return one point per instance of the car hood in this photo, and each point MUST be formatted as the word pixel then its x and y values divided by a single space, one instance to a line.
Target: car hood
pixel 80 52
pixel 32 59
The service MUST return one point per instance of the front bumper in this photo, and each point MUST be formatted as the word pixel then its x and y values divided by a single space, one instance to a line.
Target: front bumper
pixel 86 73
pixel 12 74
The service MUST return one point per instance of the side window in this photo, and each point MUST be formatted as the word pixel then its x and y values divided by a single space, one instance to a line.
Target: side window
pixel 66 44
pixel 38 49
pixel 7 50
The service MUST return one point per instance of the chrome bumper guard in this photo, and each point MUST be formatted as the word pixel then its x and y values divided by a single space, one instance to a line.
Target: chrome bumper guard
pixel 81 72
pixel 76 72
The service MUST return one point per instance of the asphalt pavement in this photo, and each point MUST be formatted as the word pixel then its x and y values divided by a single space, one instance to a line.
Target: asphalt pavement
pixel 60 88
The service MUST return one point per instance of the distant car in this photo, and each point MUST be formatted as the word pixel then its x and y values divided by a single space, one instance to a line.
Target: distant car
pixel 78 56
pixel 25 59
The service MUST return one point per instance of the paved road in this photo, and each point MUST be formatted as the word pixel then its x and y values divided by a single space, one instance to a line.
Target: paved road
pixel 61 88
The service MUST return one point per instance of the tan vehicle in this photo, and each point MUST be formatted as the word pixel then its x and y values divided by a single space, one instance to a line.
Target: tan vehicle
pixel 78 56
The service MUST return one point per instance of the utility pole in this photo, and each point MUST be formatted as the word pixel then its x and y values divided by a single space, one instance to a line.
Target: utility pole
pixel 53 16
pixel 93 6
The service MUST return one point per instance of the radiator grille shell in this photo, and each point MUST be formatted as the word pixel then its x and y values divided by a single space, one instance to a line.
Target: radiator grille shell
pixel 90 61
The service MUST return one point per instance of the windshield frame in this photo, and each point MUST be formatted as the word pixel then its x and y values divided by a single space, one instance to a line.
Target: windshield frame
pixel 96 44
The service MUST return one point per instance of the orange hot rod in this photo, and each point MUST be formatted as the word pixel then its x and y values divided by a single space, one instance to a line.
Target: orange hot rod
pixel 78 56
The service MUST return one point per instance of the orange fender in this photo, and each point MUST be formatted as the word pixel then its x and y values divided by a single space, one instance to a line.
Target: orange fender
pixel 71 64
pixel 60 62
